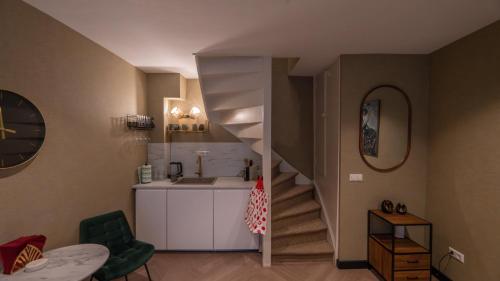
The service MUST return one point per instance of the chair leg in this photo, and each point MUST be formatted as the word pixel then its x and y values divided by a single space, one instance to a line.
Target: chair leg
pixel 126 278
pixel 147 271
pixel 92 277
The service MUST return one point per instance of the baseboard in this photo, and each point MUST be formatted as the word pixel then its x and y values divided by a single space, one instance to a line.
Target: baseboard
pixel 360 264
pixel 439 275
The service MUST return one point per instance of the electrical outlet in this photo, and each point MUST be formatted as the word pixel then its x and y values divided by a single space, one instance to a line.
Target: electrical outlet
pixel 457 255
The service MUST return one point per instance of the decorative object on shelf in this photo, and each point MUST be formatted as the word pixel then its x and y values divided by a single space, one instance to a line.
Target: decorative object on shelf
pixel 399 231
pixel 22 132
pixel 401 209
pixel 140 122
pixel 392 253
pixel 17 253
pixel 145 173
pixel 387 207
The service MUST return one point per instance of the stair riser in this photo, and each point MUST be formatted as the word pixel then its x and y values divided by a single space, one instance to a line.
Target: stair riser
pixel 296 219
pixel 299 238
pixel 302 258
pixel 277 207
pixel 275 171
pixel 282 186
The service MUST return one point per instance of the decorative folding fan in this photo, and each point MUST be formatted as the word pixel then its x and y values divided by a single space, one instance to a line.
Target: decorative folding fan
pixel 29 254
pixel 16 252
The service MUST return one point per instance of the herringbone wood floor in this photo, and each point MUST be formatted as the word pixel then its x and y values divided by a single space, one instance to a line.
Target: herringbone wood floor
pixel 240 267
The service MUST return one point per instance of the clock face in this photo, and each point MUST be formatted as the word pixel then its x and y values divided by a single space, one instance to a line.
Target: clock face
pixel 22 130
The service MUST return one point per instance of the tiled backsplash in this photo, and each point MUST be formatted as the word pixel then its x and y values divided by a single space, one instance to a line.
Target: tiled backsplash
pixel 223 159
pixel 159 157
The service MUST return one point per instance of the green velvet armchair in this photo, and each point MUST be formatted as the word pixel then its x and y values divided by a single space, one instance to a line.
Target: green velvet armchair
pixel 126 253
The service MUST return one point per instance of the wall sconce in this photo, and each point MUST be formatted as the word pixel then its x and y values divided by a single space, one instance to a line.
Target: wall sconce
pixel 176 112
pixel 193 113
pixel 187 122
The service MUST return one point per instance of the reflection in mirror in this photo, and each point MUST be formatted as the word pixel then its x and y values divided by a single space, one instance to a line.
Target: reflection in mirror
pixel 385 128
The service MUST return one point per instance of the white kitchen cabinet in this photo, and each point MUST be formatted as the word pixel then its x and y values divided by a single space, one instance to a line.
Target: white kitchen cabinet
pixel 151 217
pixel 190 219
pixel 230 230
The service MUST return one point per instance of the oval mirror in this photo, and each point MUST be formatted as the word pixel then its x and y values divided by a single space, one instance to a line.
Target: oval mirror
pixel 385 128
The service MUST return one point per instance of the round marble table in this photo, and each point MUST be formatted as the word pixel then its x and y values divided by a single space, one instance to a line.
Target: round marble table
pixel 72 263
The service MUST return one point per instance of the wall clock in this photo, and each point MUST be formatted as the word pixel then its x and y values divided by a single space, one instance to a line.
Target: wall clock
pixel 22 132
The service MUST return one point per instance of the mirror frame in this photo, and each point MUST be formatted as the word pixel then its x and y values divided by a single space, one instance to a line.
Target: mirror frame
pixel 408 147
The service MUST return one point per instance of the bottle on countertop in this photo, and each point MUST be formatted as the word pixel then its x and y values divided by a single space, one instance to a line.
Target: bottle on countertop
pixel 145 173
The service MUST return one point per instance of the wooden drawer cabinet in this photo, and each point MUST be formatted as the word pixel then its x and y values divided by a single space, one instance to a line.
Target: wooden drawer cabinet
pixel 398 259
pixel 419 275
pixel 412 261
pixel 380 259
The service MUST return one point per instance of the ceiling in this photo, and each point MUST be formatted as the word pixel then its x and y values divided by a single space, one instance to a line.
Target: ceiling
pixel 161 35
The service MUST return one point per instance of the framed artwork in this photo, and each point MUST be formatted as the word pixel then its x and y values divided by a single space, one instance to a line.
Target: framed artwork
pixel 370 127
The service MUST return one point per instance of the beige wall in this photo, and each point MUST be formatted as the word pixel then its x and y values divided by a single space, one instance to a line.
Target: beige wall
pixel 327 140
pixel 159 87
pixel 88 161
pixel 216 133
pixel 292 117
pixel 358 74
pixel 463 196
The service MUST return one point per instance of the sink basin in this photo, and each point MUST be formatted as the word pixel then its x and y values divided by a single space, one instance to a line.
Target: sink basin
pixel 201 181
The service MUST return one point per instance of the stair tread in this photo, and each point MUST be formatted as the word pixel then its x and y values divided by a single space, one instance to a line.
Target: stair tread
pixel 311 248
pixel 282 177
pixel 231 90
pixel 275 162
pixel 218 74
pixel 300 228
pixel 301 208
pixel 291 192
pixel 240 123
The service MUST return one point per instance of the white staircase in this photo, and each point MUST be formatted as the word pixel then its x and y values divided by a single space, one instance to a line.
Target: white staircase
pixel 233 90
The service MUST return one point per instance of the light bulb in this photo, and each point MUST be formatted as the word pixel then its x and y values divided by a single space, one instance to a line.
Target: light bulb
pixel 195 111
pixel 176 112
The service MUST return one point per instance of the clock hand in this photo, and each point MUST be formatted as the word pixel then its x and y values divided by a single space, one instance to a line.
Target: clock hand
pixel 8 130
pixel 2 133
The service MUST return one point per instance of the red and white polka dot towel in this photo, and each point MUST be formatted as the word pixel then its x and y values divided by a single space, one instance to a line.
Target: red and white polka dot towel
pixel 256 216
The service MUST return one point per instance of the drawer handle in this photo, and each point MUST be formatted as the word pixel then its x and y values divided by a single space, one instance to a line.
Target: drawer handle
pixel 412 278
pixel 412 261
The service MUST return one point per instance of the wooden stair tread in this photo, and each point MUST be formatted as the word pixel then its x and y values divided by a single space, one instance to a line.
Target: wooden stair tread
pixel 302 208
pixel 291 192
pixel 300 228
pixel 313 248
pixel 283 177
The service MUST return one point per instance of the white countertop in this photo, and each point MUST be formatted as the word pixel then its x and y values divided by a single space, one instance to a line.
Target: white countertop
pixel 220 183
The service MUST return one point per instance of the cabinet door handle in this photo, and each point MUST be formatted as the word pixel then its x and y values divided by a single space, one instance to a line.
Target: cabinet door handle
pixel 412 261
pixel 412 278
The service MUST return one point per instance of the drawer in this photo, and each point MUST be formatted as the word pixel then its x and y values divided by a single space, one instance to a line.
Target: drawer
pixel 420 275
pixel 409 262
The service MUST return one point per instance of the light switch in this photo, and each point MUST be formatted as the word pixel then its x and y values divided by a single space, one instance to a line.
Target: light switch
pixel 355 177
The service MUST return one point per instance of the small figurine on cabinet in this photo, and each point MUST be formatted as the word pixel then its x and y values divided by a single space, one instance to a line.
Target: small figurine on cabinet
pixel 401 209
pixel 387 207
